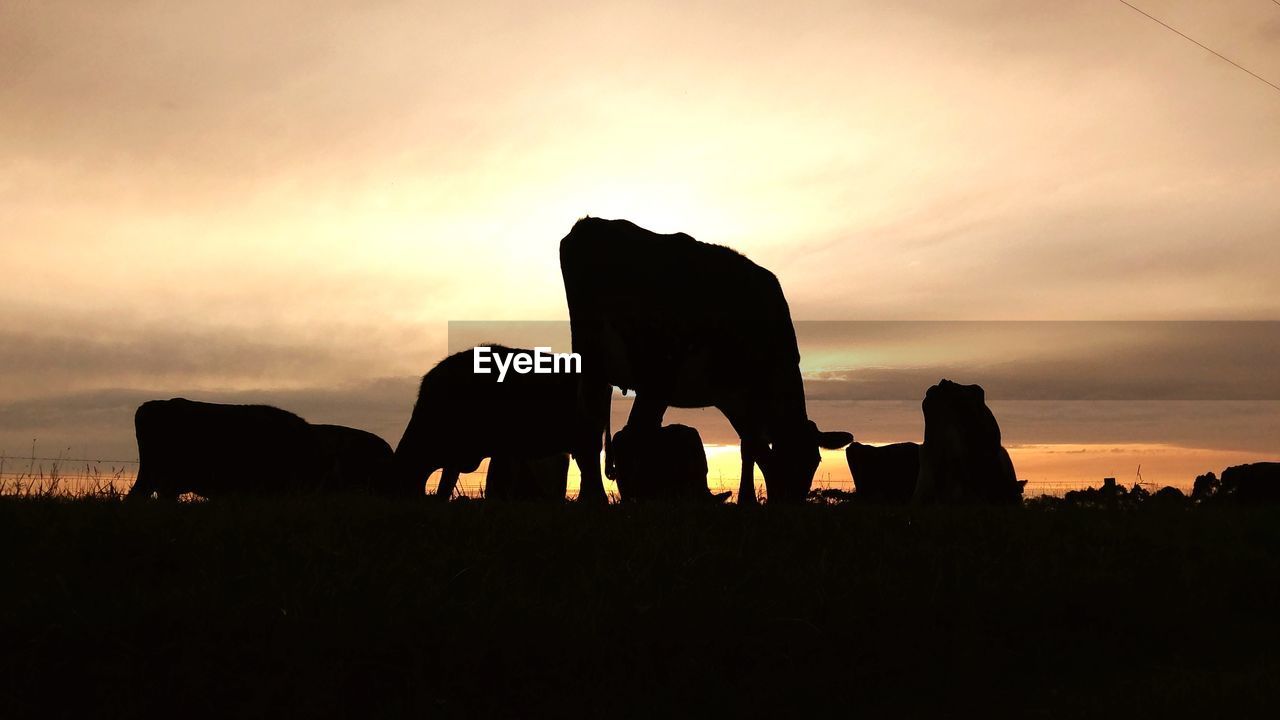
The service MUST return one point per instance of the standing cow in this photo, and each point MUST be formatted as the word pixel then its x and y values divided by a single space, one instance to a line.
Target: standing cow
pixel 462 417
pixel 962 459
pixel 689 324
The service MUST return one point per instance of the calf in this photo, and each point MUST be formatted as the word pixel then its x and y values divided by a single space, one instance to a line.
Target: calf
pixel 962 459
pixel 668 463
pixel 885 474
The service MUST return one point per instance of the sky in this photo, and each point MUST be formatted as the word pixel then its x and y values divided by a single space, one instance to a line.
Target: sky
pixel 288 202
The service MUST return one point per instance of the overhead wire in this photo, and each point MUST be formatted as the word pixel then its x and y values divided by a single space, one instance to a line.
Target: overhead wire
pixel 1169 27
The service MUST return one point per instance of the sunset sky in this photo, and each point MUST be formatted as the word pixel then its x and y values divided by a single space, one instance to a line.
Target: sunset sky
pixel 289 201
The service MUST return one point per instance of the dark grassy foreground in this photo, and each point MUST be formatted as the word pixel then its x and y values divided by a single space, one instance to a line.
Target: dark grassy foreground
pixel 354 606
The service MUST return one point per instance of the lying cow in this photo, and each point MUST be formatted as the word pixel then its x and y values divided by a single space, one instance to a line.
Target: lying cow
pixel 512 478
pixel 962 459
pixel 354 459
pixel 462 417
pixel 212 449
pixel 885 474
pixel 669 463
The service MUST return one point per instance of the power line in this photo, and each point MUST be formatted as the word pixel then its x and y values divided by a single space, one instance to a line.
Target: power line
pixel 1200 44
pixel 7 458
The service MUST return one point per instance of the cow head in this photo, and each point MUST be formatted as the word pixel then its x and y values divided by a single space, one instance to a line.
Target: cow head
pixel 956 417
pixel 415 462
pixel 794 457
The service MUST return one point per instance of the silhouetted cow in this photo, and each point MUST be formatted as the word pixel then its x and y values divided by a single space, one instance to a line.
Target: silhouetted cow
pixel 462 417
pixel 689 324
pixel 962 459
pixel 355 459
pixel 511 478
pixel 211 449
pixel 885 474
pixel 1253 484
pixel 669 463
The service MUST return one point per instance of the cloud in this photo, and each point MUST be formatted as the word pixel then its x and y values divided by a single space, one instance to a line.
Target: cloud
pixel 1045 360
pixel 88 352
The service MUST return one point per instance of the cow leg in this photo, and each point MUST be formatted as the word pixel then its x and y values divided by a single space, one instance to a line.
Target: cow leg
pixel 448 482
pixel 754 452
pixel 586 453
pixel 595 398
pixel 747 484
pixel 752 449
pixel 591 487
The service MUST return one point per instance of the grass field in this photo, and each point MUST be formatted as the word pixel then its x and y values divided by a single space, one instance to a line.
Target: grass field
pixel 347 606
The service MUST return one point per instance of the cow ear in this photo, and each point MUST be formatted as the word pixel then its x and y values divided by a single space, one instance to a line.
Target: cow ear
pixel 834 440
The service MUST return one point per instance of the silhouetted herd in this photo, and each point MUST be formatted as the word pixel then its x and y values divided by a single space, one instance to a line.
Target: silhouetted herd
pixel 682 324
pixel 1252 484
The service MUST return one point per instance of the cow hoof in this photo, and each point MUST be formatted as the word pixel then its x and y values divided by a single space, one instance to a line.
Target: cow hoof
pixel 593 499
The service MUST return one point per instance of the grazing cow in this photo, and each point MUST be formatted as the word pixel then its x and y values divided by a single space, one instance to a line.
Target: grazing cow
pixel 462 417
pixel 689 324
pixel 513 478
pixel 357 460
pixel 885 474
pixel 962 459
pixel 211 449
pixel 1253 484
pixel 667 464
